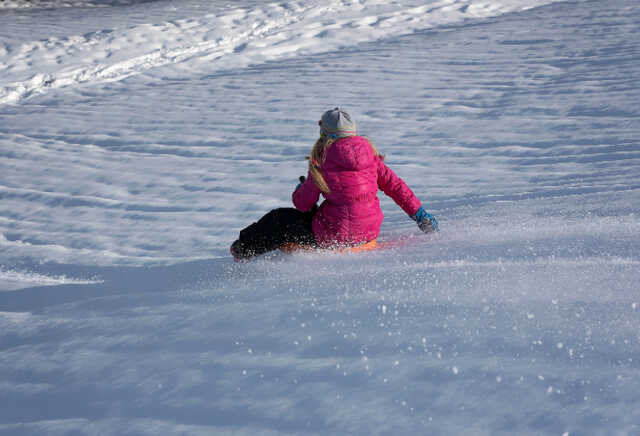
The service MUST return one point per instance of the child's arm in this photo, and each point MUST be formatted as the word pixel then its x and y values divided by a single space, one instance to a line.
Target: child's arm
pixel 306 195
pixel 397 189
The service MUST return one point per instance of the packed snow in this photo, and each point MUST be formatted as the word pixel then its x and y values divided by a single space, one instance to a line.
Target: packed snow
pixel 138 137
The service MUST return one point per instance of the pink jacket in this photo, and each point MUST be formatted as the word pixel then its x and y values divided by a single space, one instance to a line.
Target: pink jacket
pixel 351 213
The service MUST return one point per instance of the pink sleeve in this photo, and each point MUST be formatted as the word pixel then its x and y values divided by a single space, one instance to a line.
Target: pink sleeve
pixel 306 196
pixel 397 189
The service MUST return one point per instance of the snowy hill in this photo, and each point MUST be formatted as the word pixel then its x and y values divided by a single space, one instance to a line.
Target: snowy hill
pixel 137 138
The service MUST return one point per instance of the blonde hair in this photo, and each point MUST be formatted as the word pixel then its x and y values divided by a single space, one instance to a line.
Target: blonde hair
pixel 318 156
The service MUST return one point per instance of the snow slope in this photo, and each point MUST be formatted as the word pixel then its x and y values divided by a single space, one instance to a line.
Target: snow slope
pixel 233 38
pixel 137 138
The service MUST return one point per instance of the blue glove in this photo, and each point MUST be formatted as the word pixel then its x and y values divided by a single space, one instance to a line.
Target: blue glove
pixel 425 220
pixel 302 179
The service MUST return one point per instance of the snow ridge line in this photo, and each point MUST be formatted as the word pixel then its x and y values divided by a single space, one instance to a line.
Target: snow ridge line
pixel 49 4
pixel 37 279
pixel 85 200
pixel 546 261
pixel 237 37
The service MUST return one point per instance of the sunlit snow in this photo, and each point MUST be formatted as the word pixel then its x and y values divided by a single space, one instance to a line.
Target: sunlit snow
pixel 138 137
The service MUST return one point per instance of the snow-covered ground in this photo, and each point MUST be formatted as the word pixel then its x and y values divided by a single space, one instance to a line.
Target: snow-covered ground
pixel 138 137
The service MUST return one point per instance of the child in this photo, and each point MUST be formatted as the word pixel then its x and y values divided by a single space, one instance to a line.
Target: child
pixel 348 171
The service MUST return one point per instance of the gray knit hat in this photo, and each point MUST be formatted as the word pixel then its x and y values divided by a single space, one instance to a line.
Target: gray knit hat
pixel 337 123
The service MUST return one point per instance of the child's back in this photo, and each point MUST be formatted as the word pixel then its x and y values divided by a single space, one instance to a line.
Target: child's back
pixel 351 213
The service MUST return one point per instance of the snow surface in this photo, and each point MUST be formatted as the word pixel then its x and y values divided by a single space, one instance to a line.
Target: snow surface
pixel 138 137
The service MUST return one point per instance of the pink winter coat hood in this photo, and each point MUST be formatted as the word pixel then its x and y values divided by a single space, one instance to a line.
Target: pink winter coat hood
pixel 351 212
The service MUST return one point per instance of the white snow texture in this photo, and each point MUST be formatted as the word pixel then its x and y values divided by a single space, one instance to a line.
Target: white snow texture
pixel 138 137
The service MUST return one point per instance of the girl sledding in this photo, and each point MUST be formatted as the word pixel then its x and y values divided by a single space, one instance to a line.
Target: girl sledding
pixel 347 170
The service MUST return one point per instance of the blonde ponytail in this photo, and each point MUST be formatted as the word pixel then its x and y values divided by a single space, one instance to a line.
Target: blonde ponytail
pixel 318 156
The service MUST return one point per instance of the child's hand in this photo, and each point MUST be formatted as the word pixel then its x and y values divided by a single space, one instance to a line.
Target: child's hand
pixel 426 222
